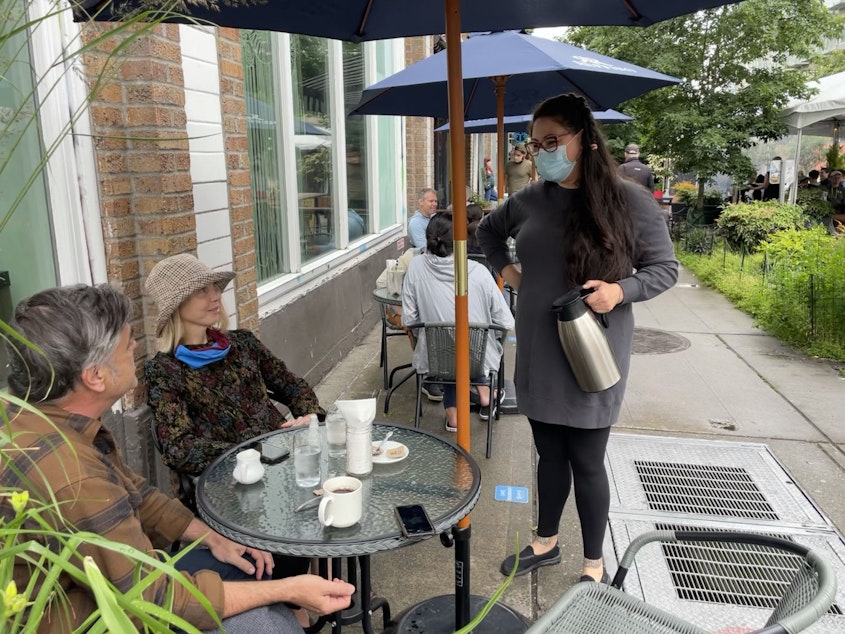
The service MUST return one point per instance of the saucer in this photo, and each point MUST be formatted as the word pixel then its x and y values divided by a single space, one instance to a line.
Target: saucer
pixel 383 458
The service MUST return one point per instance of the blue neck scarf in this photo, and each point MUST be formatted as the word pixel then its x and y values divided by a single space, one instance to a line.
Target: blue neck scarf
pixel 198 357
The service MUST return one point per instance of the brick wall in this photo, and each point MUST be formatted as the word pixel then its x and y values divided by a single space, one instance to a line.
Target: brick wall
pixel 146 201
pixel 146 194
pixel 237 167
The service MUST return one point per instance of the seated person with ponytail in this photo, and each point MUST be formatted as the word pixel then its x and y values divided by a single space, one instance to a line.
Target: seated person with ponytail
pixel 428 295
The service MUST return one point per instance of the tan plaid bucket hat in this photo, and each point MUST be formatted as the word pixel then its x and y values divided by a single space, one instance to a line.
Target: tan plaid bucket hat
pixel 175 279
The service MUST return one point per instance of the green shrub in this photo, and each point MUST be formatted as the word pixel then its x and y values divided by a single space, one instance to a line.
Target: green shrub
pixel 794 287
pixel 698 240
pixel 744 226
pixel 713 196
pixel 813 201
pixel 686 192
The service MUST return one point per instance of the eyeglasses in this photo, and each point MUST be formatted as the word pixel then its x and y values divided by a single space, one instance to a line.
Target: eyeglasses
pixel 549 144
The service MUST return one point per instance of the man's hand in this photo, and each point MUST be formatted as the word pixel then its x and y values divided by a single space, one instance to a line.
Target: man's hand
pixel 605 297
pixel 297 422
pixel 310 592
pixel 319 595
pixel 229 552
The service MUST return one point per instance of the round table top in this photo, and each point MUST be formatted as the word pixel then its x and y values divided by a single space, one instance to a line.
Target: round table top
pixel 437 474
pixel 383 296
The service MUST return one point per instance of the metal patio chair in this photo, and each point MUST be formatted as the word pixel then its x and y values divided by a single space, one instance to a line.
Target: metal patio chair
pixel 594 608
pixel 440 345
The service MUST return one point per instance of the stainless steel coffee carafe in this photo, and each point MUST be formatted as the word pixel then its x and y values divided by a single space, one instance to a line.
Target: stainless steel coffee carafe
pixel 584 342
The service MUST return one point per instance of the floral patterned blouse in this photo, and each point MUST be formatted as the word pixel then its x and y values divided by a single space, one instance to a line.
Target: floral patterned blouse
pixel 202 412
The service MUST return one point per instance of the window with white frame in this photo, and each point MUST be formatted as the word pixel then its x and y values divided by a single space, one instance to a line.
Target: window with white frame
pixel 313 168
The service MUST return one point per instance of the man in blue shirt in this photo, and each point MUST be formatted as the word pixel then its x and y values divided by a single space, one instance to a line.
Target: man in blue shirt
pixel 419 221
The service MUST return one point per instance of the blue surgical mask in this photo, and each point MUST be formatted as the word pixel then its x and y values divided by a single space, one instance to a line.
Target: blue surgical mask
pixel 554 166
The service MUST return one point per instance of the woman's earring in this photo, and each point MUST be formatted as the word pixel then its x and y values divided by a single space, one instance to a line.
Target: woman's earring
pixel 593 146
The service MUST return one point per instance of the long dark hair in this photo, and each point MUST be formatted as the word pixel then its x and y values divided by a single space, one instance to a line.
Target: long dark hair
pixel 438 235
pixel 602 237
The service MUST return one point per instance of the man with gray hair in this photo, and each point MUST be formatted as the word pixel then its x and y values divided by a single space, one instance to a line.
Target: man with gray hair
pixel 84 362
pixel 419 221
pixel 635 169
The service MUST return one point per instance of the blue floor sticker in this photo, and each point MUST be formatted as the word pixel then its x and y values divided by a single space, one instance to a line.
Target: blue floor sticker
pixel 505 493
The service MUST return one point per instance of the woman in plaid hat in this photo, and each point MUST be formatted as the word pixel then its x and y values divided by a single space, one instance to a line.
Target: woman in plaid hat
pixel 208 386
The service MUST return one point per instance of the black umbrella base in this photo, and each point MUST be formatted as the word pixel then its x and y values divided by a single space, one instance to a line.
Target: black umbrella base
pixel 437 615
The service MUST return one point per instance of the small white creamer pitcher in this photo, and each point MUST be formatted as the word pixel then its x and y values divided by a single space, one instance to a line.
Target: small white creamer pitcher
pixel 249 468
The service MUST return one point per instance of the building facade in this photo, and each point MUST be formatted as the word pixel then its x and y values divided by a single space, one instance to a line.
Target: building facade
pixel 233 145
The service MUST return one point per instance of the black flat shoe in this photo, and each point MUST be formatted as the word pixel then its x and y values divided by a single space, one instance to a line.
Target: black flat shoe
pixel 528 561
pixel 605 578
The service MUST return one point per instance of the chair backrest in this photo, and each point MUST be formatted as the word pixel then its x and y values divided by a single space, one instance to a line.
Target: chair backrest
pixel 440 345
pixel 813 586
pixel 154 435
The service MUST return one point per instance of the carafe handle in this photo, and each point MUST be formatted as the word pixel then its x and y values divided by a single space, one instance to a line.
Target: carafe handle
pixel 602 317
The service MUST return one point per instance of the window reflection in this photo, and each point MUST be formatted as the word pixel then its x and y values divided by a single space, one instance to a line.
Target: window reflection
pixel 263 133
pixel 356 141
pixel 313 141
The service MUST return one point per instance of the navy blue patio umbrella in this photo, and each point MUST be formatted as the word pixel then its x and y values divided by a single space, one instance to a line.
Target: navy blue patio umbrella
pixel 509 73
pixel 519 123
pixel 365 20
pixel 534 68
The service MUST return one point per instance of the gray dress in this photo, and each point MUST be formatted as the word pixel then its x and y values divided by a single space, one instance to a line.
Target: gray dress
pixel 545 386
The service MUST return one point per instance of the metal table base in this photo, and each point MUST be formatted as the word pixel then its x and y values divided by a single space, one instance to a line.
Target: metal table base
pixel 364 602
pixel 438 615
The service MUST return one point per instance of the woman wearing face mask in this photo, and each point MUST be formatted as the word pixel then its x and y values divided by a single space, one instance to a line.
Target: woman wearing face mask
pixel 518 170
pixel 582 226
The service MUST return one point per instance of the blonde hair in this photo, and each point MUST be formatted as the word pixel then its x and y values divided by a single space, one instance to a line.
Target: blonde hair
pixel 171 336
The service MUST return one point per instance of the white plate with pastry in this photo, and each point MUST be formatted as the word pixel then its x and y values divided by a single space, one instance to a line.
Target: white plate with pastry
pixel 391 452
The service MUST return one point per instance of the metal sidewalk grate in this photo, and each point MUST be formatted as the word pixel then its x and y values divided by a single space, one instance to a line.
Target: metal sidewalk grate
pixel 692 580
pixel 704 489
pixel 705 478
pixel 707 571
pixel 690 484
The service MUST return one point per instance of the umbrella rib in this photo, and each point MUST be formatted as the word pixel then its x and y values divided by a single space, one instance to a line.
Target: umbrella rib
pixel 636 15
pixel 583 92
pixel 470 96
pixel 364 18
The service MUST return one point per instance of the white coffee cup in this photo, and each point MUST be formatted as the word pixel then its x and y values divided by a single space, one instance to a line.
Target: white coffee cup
pixel 341 505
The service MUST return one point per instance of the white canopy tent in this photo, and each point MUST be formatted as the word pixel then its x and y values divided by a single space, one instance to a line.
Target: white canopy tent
pixel 820 115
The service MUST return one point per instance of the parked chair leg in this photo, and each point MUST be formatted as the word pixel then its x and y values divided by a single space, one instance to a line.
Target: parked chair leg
pixel 383 357
pixel 418 410
pixel 393 388
pixel 494 403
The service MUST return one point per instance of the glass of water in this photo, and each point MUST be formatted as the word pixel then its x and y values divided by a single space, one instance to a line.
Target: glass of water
pixel 306 458
pixel 336 434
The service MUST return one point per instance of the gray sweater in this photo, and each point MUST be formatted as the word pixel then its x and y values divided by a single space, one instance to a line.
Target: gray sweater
pixel 428 295
pixel 545 385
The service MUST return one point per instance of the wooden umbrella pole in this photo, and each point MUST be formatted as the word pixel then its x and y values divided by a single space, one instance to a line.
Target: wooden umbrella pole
pixel 462 531
pixel 499 81
pixel 459 215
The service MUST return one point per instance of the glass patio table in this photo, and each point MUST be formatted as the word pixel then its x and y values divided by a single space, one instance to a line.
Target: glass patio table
pixel 436 473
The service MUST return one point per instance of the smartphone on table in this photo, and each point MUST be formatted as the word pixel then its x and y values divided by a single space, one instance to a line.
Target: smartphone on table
pixel 414 521
pixel 273 451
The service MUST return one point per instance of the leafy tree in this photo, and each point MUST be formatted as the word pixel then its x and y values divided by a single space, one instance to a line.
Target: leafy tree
pixel 732 60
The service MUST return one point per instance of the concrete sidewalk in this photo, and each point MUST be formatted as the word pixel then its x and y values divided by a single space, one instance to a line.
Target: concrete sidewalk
pixel 733 382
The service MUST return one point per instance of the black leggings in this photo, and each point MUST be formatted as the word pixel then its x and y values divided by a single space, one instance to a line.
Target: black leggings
pixel 570 455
